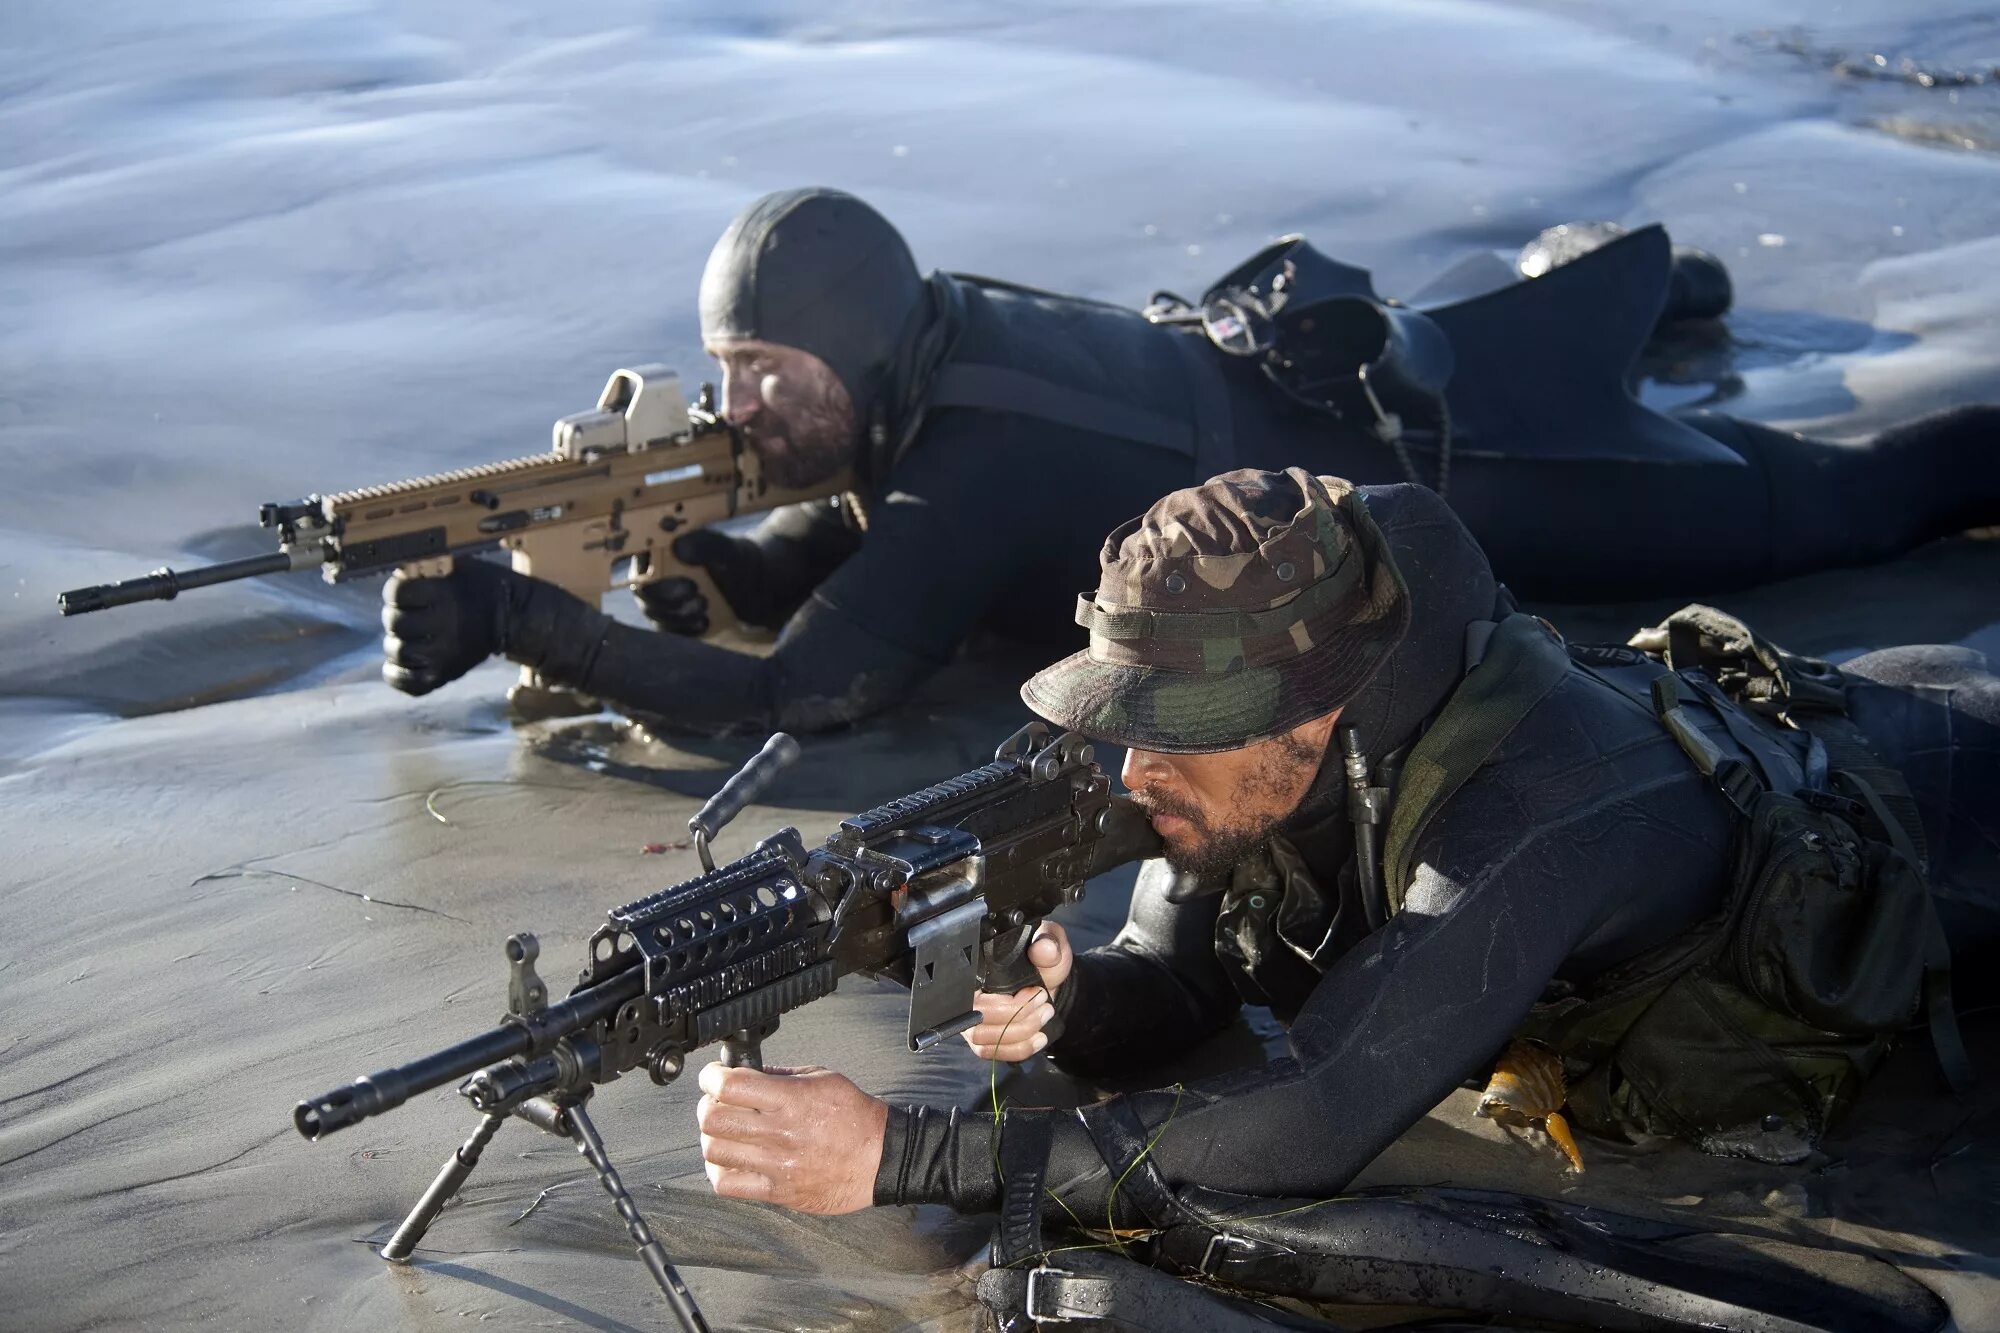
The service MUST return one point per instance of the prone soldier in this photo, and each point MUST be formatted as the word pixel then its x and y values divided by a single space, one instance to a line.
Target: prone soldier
pixel 1417 826
pixel 993 429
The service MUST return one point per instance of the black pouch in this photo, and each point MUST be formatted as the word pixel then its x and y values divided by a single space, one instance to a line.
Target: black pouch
pixel 1830 925
pixel 1751 1037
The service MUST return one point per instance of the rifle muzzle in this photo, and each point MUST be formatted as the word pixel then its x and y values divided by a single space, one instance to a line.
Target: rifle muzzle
pixel 344 1106
pixel 163 585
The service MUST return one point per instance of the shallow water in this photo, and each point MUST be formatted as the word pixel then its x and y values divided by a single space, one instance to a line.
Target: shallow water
pixel 255 250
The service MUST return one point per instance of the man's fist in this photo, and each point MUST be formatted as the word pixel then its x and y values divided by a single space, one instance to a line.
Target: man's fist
pixel 436 630
pixel 736 564
pixel 1011 1026
pixel 803 1138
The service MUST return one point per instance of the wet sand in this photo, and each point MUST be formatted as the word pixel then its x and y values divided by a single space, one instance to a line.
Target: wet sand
pixel 256 253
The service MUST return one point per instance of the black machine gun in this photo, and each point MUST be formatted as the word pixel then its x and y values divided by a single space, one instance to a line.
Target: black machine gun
pixel 940 890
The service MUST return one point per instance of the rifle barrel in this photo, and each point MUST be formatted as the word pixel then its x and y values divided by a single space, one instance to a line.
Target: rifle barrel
pixel 163 585
pixel 387 1089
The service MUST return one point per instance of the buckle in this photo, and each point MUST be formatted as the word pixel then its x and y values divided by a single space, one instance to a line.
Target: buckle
pixel 1833 803
pixel 1243 1245
pixel 1739 784
pixel 1058 1312
pixel 1222 1238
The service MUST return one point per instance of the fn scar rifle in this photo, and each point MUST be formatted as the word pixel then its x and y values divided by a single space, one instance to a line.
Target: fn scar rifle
pixel 940 890
pixel 598 511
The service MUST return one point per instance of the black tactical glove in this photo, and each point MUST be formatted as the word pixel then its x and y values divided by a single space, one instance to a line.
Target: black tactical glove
pixel 436 630
pixel 737 564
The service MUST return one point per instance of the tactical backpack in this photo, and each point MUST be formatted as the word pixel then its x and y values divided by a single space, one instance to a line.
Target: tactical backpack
pixel 1751 1034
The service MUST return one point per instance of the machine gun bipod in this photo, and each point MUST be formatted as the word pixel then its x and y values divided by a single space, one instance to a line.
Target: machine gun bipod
pixel 562 1115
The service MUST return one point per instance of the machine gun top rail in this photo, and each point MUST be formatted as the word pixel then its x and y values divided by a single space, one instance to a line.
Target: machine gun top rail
pixel 933 801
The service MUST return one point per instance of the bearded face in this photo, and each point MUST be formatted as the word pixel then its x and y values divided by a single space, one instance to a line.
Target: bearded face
pixel 790 409
pixel 1212 810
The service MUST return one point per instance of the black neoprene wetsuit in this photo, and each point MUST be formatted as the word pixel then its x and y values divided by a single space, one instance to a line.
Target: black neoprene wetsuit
pixel 1586 840
pixel 994 517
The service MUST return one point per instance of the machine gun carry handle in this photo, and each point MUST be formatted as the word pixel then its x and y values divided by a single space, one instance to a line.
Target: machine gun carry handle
pixel 744 1048
pixel 741 789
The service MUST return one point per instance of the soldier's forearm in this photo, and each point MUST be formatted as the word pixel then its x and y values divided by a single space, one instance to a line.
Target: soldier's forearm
pixel 801 545
pixel 935 1154
pixel 682 683
pixel 825 672
pixel 1123 1011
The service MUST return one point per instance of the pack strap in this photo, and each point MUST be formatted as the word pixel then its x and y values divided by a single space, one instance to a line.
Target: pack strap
pixel 1945 1036
pixel 1025 1139
pixel 1125 1143
pixel 1003 389
pixel 1085 1289
pixel 1523 662
pixel 1737 781
pixel 1776 768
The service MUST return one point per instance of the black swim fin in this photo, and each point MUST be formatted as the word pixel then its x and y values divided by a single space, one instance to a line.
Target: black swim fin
pixel 1538 1263
pixel 1543 365
pixel 1102 1293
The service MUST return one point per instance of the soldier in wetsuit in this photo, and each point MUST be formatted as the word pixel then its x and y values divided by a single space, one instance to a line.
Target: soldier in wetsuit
pixel 1235 629
pixel 996 430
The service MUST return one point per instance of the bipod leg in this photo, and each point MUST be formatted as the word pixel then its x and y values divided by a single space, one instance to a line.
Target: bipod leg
pixel 450 1178
pixel 650 1249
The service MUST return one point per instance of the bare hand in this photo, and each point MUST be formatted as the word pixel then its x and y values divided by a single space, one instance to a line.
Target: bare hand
pixel 1010 1026
pixel 803 1138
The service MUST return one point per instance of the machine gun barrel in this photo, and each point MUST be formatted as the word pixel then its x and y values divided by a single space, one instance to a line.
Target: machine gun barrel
pixel 163 585
pixel 387 1089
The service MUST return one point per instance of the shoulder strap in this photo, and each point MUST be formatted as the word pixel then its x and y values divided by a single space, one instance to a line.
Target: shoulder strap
pixel 1523 662
pixel 1004 389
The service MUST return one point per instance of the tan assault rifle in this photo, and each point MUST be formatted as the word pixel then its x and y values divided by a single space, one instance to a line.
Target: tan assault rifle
pixel 599 511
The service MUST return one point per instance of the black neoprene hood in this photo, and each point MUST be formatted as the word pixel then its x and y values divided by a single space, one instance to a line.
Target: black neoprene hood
pixel 818 270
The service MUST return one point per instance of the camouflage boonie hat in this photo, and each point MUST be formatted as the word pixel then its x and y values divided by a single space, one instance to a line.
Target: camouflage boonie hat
pixel 1229 613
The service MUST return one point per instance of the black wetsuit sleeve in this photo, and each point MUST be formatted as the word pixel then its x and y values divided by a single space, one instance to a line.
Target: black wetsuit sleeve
pixel 798 547
pixel 885 619
pixel 1150 993
pixel 1387 1033
pixel 1501 899
pixel 825 671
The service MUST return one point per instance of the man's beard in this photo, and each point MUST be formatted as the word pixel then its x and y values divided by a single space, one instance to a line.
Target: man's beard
pixel 818 442
pixel 1222 849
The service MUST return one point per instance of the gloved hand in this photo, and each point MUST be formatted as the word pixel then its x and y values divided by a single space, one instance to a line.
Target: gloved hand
pixel 436 630
pixel 736 564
